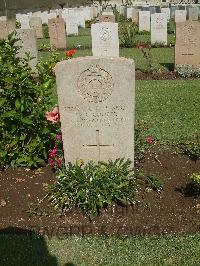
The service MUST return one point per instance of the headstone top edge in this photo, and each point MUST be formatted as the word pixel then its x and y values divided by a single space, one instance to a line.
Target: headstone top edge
pixel 95 58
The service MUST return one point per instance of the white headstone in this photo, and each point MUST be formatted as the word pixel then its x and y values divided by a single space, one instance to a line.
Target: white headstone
pixel 45 17
pixel 36 24
pixel 96 99
pixel 144 20
pixel 166 11
pixel 129 12
pixel 105 40
pixel 71 24
pixel 193 13
pixel 180 15
pixel 159 28
pixel 24 21
pixel 28 43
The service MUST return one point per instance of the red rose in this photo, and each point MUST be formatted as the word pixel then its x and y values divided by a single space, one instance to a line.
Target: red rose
pixel 70 53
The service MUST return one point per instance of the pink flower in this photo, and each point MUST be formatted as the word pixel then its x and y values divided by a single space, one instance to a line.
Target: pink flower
pixel 150 140
pixel 51 162
pixel 53 116
pixel 59 162
pixel 53 152
pixel 59 137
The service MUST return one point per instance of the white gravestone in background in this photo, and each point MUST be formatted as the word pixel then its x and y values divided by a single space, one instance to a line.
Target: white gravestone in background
pixel 57 33
pixel 144 20
pixel 36 24
pixel 71 24
pixel 166 11
pixel 27 41
pixel 129 12
pixel 180 15
pixel 24 21
pixel 105 40
pixel 96 98
pixel 159 28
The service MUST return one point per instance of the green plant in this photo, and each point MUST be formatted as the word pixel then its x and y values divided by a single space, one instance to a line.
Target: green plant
pixel 25 135
pixel 153 182
pixel 88 23
pixel 46 31
pixel 142 141
pixel 94 186
pixel 185 71
pixel 147 55
pixel 197 71
pixel 44 47
pixel 195 179
pixel 171 27
pixel 127 35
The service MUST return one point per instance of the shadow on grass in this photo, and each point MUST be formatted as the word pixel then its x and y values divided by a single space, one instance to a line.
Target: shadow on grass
pixel 22 247
pixel 169 66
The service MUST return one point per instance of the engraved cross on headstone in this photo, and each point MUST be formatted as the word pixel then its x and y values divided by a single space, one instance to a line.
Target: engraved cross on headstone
pixel 98 145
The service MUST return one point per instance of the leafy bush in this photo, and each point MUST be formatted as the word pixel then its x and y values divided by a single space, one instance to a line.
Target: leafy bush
pixel 25 135
pixel 185 71
pixel 93 186
pixel 127 35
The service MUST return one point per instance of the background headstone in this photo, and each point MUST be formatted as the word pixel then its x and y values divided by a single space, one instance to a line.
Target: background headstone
pixel 106 18
pixel 129 12
pixel 187 43
pixel 96 99
pixel 27 41
pixel 135 15
pixel 57 33
pixel 105 40
pixel 166 11
pixel 3 30
pixel 71 24
pixel 36 24
pixel 24 21
pixel 180 15
pixel 144 20
pixel 193 13
pixel 159 28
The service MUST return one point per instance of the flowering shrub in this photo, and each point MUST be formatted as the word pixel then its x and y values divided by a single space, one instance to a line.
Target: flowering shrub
pixel 25 135
pixel 56 155
pixel 93 186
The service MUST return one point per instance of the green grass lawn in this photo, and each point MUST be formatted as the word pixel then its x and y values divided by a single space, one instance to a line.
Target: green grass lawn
pixel 161 57
pixel 172 250
pixel 171 108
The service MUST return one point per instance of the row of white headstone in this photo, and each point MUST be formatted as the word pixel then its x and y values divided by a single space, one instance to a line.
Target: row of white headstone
pixel 73 18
